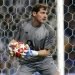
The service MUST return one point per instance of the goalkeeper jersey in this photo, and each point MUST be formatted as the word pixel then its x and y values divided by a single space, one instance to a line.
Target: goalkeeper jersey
pixel 38 38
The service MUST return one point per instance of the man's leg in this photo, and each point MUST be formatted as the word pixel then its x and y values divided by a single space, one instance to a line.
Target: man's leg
pixel 24 70
pixel 48 67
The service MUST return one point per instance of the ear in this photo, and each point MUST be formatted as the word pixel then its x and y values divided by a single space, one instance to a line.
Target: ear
pixel 34 13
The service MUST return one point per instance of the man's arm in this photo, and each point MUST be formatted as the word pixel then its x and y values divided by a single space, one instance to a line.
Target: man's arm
pixel 43 52
pixel 49 43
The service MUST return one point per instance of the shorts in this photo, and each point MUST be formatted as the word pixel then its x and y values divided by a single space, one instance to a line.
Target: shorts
pixel 45 67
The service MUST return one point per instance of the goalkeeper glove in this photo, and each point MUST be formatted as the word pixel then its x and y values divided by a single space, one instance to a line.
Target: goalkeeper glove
pixel 21 50
pixel 31 53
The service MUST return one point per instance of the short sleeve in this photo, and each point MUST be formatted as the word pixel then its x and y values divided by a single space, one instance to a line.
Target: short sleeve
pixel 50 39
pixel 18 32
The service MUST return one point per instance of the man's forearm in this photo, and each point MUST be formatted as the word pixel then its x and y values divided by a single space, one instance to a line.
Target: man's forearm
pixel 43 52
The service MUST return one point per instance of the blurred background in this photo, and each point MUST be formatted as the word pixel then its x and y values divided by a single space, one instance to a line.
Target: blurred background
pixel 12 12
pixel 69 36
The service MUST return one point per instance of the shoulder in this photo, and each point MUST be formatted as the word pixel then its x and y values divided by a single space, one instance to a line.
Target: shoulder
pixel 49 28
pixel 23 23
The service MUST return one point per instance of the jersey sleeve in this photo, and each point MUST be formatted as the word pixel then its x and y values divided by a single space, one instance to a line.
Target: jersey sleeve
pixel 50 40
pixel 18 32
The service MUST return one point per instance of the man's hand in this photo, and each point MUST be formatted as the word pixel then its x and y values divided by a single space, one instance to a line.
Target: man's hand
pixel 31 53
pixel 11 47
pixel 19 49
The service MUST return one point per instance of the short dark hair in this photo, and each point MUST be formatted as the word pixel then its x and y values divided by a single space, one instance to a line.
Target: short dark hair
pixel 37 7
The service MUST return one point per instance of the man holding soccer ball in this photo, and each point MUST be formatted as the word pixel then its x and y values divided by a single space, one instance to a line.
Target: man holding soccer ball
pixel 33 43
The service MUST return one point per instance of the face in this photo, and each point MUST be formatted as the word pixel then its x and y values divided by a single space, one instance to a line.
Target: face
pixel 40 16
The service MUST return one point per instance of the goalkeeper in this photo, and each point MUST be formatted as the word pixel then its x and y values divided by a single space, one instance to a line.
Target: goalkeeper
pixel 39 38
